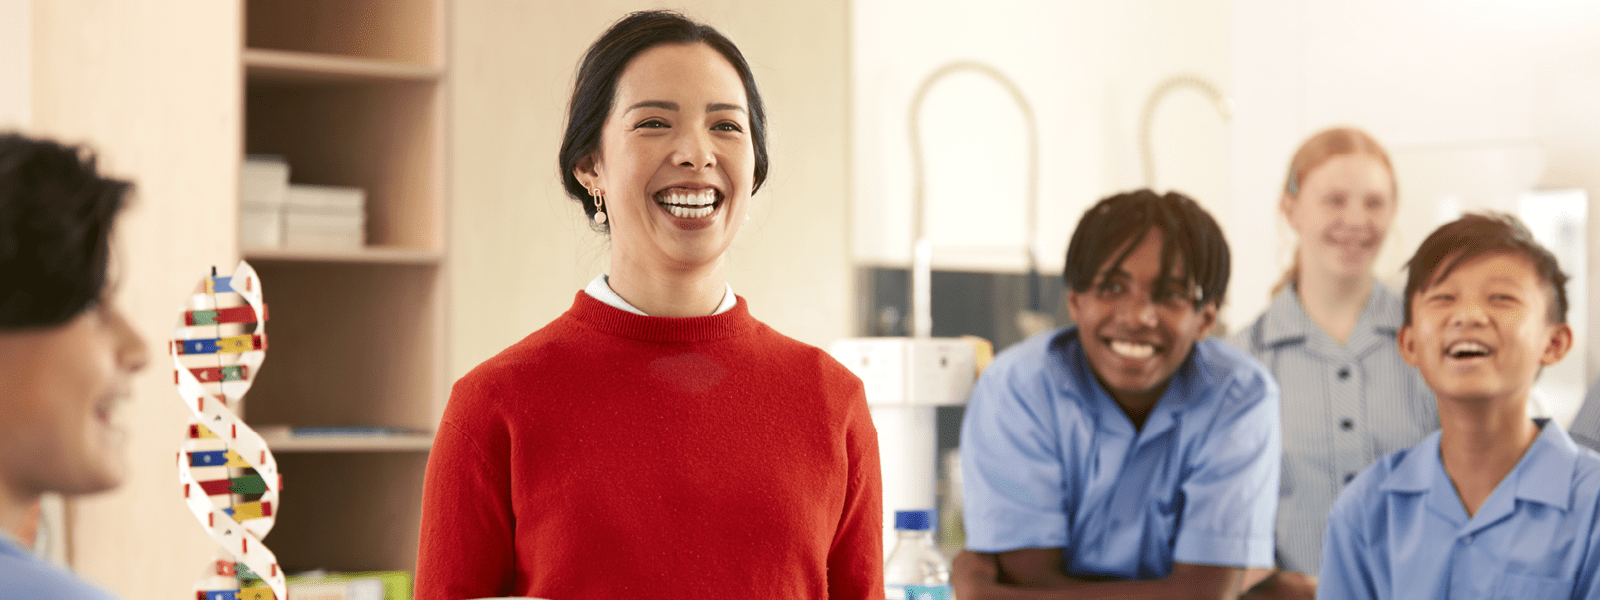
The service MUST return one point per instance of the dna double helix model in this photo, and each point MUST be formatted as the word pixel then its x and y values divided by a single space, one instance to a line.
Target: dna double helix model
pixel 230 480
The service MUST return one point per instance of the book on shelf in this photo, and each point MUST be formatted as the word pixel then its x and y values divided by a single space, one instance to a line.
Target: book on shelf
pixel 337 431
pixel 357 585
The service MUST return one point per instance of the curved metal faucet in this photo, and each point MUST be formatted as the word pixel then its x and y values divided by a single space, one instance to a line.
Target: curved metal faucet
pixel 922 250
pixel 1222 102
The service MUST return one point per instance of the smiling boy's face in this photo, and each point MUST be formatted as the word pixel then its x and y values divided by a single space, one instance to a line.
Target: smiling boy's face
pixel 1484 331
pixel 1136 326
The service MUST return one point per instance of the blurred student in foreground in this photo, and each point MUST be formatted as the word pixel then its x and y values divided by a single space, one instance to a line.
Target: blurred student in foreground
pixel 1495 504
pixel 67 354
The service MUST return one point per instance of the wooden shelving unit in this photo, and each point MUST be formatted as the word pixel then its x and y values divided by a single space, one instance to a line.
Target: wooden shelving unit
pixel 351 94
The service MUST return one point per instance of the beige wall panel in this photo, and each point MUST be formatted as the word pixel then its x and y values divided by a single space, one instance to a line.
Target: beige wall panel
pixel 521 247
pixel 16 64
pixel 792 260
pixel 153 86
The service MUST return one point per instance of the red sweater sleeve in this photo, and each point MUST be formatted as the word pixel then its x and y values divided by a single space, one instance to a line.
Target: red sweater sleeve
pixel 855 562
pixel 466 548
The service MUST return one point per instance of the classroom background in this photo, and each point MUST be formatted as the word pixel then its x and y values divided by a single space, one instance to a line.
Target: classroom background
pixel 447 115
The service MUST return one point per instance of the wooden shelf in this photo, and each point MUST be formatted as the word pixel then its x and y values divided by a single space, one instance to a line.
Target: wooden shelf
pixel 370 254
pixel 352 94
pixel 352 344
pixel 280 441
pixel 288 67
pixel 349 511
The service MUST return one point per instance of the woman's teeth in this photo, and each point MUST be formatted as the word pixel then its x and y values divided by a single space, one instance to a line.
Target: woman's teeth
pixel 686 204
pixel 1132 349
pixel 683 212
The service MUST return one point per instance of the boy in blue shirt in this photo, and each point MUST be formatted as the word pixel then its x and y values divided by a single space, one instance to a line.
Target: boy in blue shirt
pixel 67 354
pixel 1495 504
pixel 1128 456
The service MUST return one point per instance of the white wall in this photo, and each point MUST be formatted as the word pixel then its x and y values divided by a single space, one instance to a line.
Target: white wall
pixel 16 64
pixel 1086 66
pixel 1477 100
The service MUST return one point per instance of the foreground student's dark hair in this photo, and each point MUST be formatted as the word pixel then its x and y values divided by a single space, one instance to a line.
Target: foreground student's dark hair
pixel 1476 234
pixel 56 214
pixel 1187 232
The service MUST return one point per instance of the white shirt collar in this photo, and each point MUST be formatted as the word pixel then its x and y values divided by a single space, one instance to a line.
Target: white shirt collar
pixel 600 289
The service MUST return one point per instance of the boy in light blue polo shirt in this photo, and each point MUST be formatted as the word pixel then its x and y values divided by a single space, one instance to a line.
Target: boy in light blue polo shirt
pixel 1495 504
pixel 1128 456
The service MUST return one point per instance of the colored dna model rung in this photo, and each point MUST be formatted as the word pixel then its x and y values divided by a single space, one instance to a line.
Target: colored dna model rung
pixel 230 479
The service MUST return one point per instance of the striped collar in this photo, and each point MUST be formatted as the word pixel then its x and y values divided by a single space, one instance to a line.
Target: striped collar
pixel 1286 322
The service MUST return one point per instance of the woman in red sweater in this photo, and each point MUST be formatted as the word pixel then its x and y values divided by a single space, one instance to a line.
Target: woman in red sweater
pixel 656 440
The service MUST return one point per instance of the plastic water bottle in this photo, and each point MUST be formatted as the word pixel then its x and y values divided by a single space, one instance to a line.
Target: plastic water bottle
pixel 916 570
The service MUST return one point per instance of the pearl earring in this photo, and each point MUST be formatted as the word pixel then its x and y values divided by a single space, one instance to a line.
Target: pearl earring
pixel 599 205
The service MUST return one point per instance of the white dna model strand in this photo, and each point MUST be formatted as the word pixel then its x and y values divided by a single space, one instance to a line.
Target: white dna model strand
pixel 230 480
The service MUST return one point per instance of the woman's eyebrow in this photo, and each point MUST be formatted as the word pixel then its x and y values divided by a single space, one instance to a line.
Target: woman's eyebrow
pixel 673 106
pixel 662 104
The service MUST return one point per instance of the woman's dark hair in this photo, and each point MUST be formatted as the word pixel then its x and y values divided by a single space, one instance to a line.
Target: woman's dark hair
pixel 596 88
pixel 56 214
pixel 1109 231
pixel 1474 235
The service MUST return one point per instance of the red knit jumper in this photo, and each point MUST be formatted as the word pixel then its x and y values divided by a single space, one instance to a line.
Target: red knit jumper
pixel 611 455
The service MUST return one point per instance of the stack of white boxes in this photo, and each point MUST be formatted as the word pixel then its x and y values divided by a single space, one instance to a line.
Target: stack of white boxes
pixel 263 191
pixel 325 216
pixel 277 214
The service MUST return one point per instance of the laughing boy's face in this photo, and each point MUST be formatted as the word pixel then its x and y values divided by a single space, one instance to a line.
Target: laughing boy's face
pixel 1484 331
pixel 1136 326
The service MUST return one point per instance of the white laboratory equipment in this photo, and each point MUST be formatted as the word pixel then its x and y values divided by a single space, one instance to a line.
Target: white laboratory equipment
pixel 907 378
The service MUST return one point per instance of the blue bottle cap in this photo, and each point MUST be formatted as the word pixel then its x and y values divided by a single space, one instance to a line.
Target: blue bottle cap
pixel 913 520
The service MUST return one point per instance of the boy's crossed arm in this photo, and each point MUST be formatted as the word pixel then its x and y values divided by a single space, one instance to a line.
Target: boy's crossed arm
pixel 1035 574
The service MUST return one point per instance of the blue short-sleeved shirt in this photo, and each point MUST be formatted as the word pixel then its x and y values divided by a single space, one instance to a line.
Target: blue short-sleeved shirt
pixel 1399 529
pixel 23 577
pixel 1049 460
pixel 1344 406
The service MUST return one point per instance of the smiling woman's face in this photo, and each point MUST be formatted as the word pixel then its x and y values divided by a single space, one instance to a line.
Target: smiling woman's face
pixel 676 160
